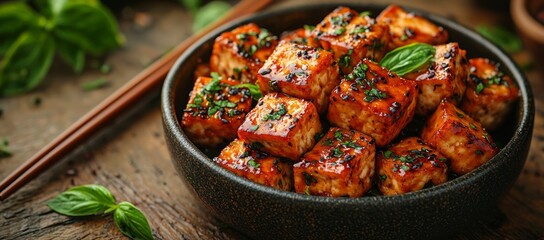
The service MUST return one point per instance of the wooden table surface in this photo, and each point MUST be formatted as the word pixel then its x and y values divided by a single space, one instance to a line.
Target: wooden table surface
pixel 130 157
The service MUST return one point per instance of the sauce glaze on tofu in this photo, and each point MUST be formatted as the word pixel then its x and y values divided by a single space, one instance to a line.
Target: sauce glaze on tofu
pixel 215 110
pixel 351 37
pixel 240 53
pixel 490 93
pixel 406 28
pixel 396 134
pixel 281 126
pixel 256 166
pixel 445 78
pixel 458 137
pixel 300 71
pixel 409 166
pixel 374 101
pixel 341 164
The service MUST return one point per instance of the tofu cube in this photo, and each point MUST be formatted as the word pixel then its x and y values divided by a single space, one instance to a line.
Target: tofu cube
pixel 340 165
pixel 298 36
pixel 445 78
pixel 256 166
pixel 490 93
pixel 374 101
pixel 240 53
pixel 300 71
pixel 215 111
pixel 410 166
pixel 282 126
pixel 406 27
pixel 458 137
pixel 351 37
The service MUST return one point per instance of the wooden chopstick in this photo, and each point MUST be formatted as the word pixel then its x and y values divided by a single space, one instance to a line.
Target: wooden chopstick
pixel 112 106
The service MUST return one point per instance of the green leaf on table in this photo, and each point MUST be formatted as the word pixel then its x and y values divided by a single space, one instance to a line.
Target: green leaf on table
pixel 90 26
pixel 192 5
pixel 132 222
pixel 209 13
pixel 506 39
pixel 4 148
pixel 409 58
pixel 83 200
pixel 94 84
pixel 26 62
pixel 20 17
pixel 72 55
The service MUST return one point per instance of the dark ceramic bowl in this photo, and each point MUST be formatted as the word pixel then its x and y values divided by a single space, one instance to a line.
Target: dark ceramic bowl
pixel 266 213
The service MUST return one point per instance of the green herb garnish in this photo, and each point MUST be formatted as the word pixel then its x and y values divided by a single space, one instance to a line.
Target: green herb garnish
pixel 339 31
pixel 276 115
pixel 409 58
pixel 253 163
pixel 338 135
pixel 479 88
pixel 345 59
pixel 336 152
pixel 373 94
pixel 308 178
pixel 253 89
pixel 387 153
pixel 90 200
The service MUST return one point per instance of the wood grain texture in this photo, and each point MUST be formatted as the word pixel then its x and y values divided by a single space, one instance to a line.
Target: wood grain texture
pixel 130 157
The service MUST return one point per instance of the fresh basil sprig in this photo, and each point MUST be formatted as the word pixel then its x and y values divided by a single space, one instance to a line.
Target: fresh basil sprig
pixel 71 28
pixel 409 58
pixel 204 15
pixel 89 200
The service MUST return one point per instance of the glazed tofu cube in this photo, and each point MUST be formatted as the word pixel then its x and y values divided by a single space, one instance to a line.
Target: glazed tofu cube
pixel 300 71
pixel 240 53
pixel 256 166
pixel 299 36
pixel 351 37
pixel 458 137
pixel 282 126
pixel 374 101
pixel 406 27
pixel 445 78
pixel 410 166
pixel 490 93
pixel 215 111
pixel 340 165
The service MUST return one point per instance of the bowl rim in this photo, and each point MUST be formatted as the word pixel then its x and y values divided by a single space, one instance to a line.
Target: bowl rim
pixel 523 125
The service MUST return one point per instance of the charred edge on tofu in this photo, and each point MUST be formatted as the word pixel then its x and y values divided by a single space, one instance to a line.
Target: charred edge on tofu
pixel 264 40
pixel 217 100
pixel 410 161
pixel 359 76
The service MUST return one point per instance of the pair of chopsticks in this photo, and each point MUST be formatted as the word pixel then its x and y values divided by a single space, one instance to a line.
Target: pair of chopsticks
pixel 112 106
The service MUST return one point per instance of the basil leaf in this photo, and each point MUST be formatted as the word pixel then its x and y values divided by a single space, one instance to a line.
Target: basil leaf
pixel 83 201
pixel 209 13
pixel 131 221
pixel 409 58
pixel 26 62
pixel 507 40
pixel 89 26
pixel 71 54
pixel 20 17
pixel 94 84
pixel 253 89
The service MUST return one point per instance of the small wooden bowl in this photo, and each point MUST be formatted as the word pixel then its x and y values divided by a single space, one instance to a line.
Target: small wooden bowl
pixel 531 31
pixel 266 213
